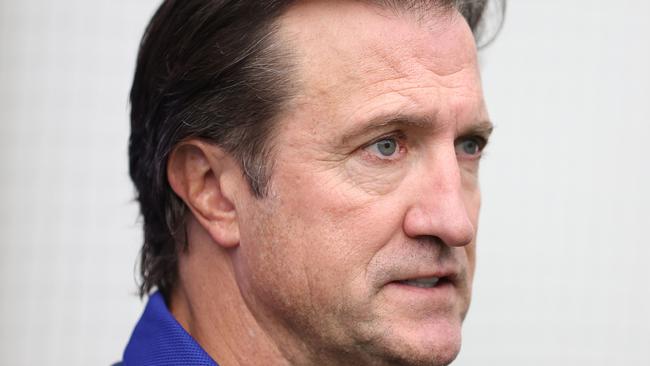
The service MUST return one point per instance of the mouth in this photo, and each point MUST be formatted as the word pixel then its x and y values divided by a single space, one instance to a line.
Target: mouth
pixel 426 282
pixel 434 291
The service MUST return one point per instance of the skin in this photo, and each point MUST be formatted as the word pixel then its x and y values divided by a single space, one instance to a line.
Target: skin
pixel 375 181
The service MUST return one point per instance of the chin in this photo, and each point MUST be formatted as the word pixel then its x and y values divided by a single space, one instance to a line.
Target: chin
pixel 436 344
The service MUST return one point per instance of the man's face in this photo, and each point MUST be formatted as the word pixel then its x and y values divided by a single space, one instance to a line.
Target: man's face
pixel 363 251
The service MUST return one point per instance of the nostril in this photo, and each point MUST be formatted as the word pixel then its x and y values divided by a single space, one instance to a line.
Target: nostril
pixel 457 239
pixel 429 240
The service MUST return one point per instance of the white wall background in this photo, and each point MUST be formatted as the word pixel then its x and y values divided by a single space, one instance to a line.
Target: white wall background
pixel 564 254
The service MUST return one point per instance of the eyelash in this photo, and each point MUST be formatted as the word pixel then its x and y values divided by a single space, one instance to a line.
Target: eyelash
pixel 400 140
pixel 480 141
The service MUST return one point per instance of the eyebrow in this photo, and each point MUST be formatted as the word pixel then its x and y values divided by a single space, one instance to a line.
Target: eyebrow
pixel 482 128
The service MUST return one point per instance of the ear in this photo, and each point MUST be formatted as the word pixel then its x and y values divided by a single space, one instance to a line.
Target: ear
pixel 201 174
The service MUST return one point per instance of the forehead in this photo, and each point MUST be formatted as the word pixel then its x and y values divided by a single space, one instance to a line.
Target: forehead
pixel 353 55
pixel 329 33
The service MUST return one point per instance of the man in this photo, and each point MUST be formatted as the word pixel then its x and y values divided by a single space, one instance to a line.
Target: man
pixel 308 177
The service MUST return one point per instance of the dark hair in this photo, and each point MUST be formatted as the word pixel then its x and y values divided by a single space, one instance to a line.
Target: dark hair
pixel 213 70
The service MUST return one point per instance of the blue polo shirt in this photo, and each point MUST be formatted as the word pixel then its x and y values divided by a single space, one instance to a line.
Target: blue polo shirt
pixel 159 340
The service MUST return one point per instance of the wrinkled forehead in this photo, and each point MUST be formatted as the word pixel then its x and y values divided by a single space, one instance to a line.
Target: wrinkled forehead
pixel 345 40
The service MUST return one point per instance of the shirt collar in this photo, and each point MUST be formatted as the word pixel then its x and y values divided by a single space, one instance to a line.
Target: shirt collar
pixel 158 339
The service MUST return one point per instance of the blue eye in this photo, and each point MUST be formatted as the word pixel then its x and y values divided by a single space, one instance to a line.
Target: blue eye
pixel 386 147
pixel 470 146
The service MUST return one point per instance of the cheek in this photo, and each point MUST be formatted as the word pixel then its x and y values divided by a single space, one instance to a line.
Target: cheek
pixel 472 201
pixel 373 181
pixel 300 245
pixel 306 261
pixel 473 205
pixel 471 198
pixel 337 205
pixel 470 252
pixel 261 261
pixel 337 229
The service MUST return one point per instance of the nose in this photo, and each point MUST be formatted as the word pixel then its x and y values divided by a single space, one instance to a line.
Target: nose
pixel 440 203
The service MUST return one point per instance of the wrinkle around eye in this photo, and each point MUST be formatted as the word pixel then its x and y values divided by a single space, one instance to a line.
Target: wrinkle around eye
pixel 371 180
pixel 374 176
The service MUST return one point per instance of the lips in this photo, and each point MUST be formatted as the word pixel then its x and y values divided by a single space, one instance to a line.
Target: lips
pixel 428 282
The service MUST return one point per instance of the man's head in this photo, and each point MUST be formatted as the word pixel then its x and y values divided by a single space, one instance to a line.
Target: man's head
pixel 324 155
